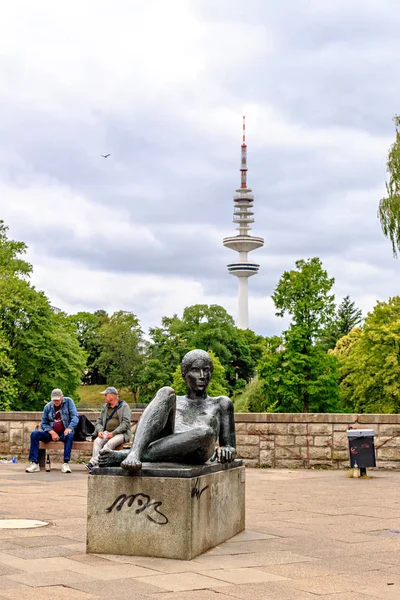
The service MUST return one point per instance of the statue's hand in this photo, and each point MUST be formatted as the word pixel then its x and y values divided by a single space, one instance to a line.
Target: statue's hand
pixel 111 458
pixel 224 454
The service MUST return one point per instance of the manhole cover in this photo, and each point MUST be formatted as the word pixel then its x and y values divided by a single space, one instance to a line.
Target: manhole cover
pixel 21 523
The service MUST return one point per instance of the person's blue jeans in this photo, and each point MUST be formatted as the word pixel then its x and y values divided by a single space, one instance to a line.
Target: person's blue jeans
pixel 38 436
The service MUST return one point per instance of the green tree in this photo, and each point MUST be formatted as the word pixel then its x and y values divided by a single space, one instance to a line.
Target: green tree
pixel 152 378
pixel 11 264
pixel 347 317
pixel 121 351
pixel 297 374
pixel 42 353
pixel 369 359
pixel 208 328
pixel 253 399
pixel 86 327
pixel 217 385
pixel 389 207
pixel 8 387
pixel 168 344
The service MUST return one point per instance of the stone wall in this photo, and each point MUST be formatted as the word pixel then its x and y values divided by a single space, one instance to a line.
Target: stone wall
pixel 277 440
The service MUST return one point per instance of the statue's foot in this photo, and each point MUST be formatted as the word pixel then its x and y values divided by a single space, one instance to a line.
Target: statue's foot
pixel 132 462
pixel 111 458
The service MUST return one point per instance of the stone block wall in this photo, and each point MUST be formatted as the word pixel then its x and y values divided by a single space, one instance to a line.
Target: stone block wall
pixel 280 440
pixel 275 440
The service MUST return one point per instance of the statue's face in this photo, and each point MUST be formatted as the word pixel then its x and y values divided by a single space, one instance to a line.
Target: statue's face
pixel 199 375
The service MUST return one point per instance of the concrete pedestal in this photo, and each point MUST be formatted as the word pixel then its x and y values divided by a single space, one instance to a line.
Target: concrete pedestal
pixel 169 511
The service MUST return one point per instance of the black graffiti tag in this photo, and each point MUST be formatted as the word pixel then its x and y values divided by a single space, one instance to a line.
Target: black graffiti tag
pixel 141 503
pixel 196 491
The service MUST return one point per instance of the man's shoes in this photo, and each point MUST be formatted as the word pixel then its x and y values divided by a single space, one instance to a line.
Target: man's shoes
pixel 65 468
pixel 89 467
pixel 34 468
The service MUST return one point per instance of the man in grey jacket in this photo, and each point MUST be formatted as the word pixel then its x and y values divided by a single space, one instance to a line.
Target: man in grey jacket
pixel 113 426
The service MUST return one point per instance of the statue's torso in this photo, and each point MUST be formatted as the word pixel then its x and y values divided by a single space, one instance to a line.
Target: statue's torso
pixel 190 414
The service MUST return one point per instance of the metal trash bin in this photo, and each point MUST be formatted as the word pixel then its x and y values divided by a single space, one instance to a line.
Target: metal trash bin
pixel 362 449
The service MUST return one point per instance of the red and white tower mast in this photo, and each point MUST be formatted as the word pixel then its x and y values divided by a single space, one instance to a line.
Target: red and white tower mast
pixel 243 242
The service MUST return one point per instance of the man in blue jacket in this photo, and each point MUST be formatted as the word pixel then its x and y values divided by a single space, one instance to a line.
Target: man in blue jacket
pixel 59 420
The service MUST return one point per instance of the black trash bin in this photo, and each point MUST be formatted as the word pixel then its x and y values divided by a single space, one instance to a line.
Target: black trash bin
pixel 361 447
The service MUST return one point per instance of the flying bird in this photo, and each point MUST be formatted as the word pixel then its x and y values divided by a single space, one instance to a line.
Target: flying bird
pixel 104 155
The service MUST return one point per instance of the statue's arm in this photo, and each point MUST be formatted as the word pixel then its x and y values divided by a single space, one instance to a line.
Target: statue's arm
pixel 227 436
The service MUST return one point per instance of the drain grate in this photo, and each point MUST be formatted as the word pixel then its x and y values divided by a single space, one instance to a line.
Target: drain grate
pixel 21 523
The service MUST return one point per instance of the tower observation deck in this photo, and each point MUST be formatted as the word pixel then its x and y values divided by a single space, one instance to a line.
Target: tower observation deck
pixel 243 242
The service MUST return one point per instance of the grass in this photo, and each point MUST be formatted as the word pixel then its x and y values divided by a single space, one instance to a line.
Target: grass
pixel 91 398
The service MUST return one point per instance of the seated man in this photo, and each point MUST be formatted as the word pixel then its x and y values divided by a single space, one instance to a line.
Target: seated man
pixel 183 429
pixel 113 426
pixel 59 420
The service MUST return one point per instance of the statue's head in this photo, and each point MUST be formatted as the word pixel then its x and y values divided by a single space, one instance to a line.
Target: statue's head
pixel 197 368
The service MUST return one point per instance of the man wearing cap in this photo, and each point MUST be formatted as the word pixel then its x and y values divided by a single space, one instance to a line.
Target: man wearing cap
pixel 113 426
pixel 59 420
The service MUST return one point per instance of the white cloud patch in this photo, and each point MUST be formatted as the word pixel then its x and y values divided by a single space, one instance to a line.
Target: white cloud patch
pixel 162 87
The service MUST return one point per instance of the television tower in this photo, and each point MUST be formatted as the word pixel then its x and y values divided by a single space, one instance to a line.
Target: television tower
pixel 243 243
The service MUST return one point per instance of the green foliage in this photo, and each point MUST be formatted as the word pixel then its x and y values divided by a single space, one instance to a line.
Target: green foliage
pixel 297 374
pixel 369 359
pixel 347 317
pixel 389 207
pixel 121 359
pixel 8 387
pixel 304 294
pixel 253 399
pixel 152 378
pixel 90 396
pixel 217 385
pixel 11 264
pixel 300 378
pixel 86 327
pixel 41 351
pixel 207 328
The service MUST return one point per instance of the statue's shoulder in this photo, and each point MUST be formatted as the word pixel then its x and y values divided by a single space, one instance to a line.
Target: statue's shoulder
pixel 224 402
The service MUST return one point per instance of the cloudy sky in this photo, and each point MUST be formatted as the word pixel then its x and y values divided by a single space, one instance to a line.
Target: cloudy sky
pixel 163 86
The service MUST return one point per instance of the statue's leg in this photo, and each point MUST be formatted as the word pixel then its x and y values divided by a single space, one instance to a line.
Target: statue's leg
pixel 157 421
pixel 194 447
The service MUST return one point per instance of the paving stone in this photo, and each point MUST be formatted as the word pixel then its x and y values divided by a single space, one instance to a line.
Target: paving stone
pixel 183 582
pixel 384 593
pixel 266 591
pixel 7 570
pixel 110 572
pixel 345 596
pixel 244 575
pixel 47 593
pixel 195 595
pixel 326 585
pixel 301 570
pixel 326 531
pixel 249 536
pixel 40 552
pixel 125 588
pixel 43 541
pixel 50 578
pixel 92 560
pixel 8 584
pixel 163 565
pixel 248 560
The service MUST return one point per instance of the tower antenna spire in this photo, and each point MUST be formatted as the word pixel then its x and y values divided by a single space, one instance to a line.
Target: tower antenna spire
pixel 243 166
pixel 243 242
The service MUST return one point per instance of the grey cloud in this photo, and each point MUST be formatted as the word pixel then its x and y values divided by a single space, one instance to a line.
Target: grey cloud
pixel 328 69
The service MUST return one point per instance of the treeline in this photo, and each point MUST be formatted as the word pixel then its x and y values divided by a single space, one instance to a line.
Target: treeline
pixel 325 361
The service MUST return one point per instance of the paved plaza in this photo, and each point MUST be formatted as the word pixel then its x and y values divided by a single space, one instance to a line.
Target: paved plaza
pixel 309 534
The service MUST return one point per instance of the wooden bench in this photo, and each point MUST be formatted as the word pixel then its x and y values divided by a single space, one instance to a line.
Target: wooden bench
pixel 86 447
